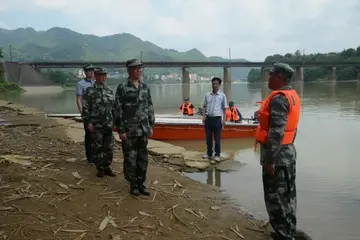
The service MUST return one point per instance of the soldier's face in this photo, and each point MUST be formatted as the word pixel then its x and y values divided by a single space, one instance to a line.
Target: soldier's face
pixel 274 81
pixel 135 72
pixel 100 78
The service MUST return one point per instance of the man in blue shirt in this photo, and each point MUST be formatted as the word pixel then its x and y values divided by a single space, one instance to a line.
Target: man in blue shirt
pixel 80 91
pixel 214 114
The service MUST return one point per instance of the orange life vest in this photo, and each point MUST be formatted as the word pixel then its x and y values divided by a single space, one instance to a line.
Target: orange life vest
pixel 232 114
pixel 293 117
pixel 187 106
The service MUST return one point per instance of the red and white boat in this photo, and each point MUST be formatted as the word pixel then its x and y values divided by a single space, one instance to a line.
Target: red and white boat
pixel 175 127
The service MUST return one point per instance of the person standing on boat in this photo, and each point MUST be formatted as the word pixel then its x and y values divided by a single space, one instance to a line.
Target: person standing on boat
pixel 232 113
pixel 214 105
pixel 98 119
pixel 279 117
pixel 187 108
pixel 81 87
pixel 134 119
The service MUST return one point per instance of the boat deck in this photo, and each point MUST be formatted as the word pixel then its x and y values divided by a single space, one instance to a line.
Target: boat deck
pixel 170 119
pixel 196 121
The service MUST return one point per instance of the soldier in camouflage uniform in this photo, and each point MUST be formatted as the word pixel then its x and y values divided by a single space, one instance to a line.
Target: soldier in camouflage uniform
pixel 278 159
pixel 134 119
pixel 97 116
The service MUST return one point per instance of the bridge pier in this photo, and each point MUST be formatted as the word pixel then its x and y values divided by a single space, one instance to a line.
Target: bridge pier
pixel 227 82
pixel 299 74
pixel 185 83
pixel 264 75
pixel 332 73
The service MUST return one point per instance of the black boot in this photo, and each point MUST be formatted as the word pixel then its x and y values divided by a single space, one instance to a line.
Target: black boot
pixel 109 172
pixel 301 235
pixel 134 190
pixel 143 191
pixel 100 173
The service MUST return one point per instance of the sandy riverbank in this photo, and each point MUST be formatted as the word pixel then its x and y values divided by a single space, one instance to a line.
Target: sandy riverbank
pixel 49 192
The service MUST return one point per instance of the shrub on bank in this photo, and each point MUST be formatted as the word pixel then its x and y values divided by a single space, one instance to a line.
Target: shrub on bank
pixel 9 87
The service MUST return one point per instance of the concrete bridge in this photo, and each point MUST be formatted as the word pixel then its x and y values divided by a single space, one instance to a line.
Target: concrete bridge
pixel 298 66
pixel 167 64
pixel 23 74
pixel 28 73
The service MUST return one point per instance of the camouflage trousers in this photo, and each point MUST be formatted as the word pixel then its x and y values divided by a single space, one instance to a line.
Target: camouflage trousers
pixel 102 147
pixel 280 200
pixel 87 144
pixel 135 159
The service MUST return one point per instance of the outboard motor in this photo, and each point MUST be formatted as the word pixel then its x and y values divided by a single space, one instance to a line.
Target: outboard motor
pixel 256 116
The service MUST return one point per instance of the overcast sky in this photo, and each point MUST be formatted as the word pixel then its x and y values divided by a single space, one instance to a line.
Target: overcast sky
pixel 252 29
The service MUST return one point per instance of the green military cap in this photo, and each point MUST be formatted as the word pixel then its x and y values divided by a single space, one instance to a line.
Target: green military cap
pixel 283 68
pixel 100 71
pixel 88 67
pixel 133 63
pixel 231 103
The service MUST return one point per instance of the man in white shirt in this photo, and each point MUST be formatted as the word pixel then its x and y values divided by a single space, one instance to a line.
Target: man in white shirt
pixel 214 114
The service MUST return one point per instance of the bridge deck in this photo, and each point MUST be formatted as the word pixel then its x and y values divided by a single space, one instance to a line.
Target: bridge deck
pixel 80 64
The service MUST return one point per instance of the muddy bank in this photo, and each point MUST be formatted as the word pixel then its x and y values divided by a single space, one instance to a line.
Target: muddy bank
pixel 48 191
pixel 175 157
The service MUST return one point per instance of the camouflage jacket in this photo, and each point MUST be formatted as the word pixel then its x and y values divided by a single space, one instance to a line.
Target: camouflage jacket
pixel 97 108
pixel 133 109
pixel 273 151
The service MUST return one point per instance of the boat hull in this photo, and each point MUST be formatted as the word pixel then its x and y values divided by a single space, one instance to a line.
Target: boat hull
pixel 197 132
pixel 172 127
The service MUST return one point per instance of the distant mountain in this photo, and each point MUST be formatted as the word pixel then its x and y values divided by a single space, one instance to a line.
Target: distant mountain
pixel 62 44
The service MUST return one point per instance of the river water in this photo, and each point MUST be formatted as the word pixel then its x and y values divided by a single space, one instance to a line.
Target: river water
pixel 328 164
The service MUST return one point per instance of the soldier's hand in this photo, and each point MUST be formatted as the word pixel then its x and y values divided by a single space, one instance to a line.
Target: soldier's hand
pixel 223 124
pixel 122 136
pixel 203 119
pixel 90 127
pixel 151 132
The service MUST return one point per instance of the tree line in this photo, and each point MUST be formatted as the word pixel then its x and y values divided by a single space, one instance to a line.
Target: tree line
pixel 316 73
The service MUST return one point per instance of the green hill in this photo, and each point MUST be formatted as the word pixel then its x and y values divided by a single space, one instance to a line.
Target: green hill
pixel 61 44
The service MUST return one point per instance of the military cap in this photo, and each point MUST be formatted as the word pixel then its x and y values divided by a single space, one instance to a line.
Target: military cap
pixel 88 67
pixel 231 103
pixel 133 63
pixel 100 71
pixel 283 68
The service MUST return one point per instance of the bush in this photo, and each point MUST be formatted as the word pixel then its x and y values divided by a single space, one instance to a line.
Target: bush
pixel 9 87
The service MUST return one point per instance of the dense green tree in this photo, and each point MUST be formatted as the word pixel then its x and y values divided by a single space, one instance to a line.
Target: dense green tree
pixel 254 75
pixel 317 73
pixel 61 77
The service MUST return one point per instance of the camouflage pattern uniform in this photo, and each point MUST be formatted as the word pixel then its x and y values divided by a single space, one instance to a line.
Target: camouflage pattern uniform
pixel 280 190
pixel 134 115
pixel 97 110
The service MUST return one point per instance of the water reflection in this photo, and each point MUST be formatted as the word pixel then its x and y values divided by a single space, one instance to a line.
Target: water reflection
pixel 229 147
pixel 210 177
pixel 328 177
